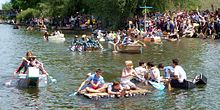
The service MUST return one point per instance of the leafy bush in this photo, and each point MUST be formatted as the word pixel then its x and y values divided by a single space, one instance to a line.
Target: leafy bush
pixel 28 13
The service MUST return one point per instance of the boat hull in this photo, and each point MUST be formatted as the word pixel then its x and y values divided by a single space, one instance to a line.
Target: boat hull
pixel 185 85
pixel 133 49
pixel 57 38
pixel 23 81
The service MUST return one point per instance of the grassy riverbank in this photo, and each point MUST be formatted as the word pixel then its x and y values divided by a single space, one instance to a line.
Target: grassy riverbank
pixel 206 4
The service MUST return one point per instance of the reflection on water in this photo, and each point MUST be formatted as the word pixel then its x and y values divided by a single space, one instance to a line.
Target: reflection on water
pixel 70 69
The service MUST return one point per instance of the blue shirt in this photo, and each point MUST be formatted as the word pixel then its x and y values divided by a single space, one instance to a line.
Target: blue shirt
pixel 126 41
pixel 166 70
pixel 96 79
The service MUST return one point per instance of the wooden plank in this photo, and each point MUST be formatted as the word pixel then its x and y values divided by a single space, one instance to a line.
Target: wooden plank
pixel 102 95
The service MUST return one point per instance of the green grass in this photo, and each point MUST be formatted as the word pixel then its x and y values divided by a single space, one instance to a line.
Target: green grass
pixel 206 4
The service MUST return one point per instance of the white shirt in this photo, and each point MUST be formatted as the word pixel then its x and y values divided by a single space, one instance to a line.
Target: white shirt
pixel 141 71
pixel 155 74
pixel 126 75
pixel 180 73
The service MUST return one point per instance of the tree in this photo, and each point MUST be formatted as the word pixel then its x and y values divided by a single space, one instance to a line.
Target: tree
pixel 27 14
pixel 7 6
pixel 24 4
pixel 113 13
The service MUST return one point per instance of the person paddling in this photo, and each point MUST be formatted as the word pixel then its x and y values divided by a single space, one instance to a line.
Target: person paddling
pixel 168 70
pixel 94 83
pixel 30 61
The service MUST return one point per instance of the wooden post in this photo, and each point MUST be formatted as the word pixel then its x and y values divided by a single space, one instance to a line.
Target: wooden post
pixel 179 6
pixel 212 6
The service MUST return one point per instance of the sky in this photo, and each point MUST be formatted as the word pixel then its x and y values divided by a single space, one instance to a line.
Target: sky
pixel 2 2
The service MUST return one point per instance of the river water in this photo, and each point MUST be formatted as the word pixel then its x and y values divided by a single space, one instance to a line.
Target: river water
pixel 70 69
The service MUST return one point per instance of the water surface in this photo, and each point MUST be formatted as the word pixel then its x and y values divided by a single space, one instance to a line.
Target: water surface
pixel 70 69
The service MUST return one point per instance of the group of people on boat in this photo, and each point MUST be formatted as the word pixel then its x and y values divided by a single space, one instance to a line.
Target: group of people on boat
pixel 56 33
pixel 84 43
pixel 143 73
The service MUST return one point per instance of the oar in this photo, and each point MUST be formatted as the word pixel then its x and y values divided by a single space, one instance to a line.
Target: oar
pixel 156 85
pixel 75 93
pixel 115 50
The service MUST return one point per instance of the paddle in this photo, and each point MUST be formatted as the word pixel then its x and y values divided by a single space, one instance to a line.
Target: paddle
pixel 140 42
pixel 156 85
pixel 114 50
pixel 100 45
pixel 75 93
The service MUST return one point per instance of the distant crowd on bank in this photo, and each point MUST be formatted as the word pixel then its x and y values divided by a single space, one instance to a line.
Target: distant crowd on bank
pixel 78 20
pixel 203 24
pixel 178 24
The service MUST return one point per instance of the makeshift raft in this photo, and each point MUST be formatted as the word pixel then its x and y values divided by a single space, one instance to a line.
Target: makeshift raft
pixel 129 93
pixel 135 49
pixel 198 80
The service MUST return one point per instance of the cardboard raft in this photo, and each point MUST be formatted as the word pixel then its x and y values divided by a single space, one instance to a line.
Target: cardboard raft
pixel 129 93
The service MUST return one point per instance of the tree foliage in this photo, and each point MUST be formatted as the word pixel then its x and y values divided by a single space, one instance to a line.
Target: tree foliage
pixel 113 13
pixel 24 4
pixel 7 6
pixel 27 14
